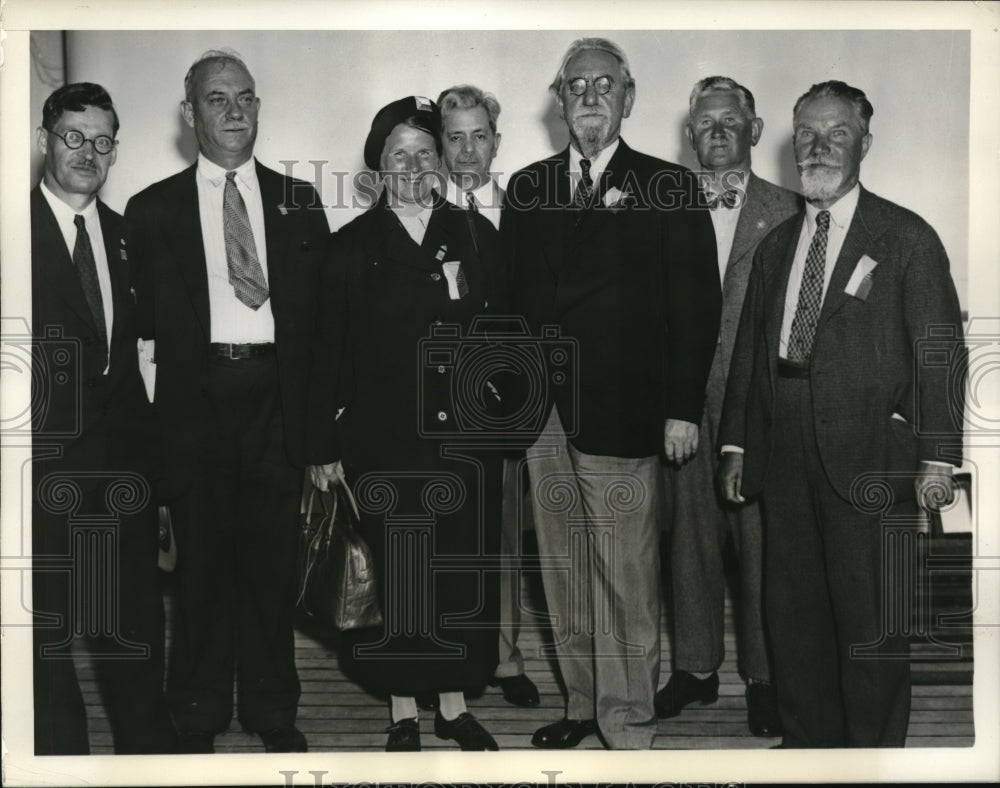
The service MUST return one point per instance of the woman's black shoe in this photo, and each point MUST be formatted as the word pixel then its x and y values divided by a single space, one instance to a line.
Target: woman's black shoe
pixel 404 736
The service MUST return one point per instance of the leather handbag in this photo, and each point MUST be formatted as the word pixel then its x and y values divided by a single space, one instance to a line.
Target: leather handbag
pixel 337 584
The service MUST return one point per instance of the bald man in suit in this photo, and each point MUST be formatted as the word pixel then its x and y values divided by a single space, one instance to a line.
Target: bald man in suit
pixel 722 129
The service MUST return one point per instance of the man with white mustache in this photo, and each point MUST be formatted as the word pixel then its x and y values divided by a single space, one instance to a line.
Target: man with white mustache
pixel 826 391
pixel 610 247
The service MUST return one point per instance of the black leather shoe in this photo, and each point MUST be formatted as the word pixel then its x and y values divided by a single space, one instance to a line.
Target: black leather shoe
pixel 404 736
pixel 427 701
pixel 519 690
pixel 762 710
pixel 284 739
pixel 196 743
pixel 466 730
pixel 563 734
pixel 682 689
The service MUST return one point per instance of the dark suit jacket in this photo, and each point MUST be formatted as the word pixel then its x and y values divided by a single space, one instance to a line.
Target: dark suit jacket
pixel 97 421
pixel 383 296
pixel 871 356
pixel 634 288
pixel 166 244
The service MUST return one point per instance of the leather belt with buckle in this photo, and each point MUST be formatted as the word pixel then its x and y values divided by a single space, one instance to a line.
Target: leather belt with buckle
pixel 242 352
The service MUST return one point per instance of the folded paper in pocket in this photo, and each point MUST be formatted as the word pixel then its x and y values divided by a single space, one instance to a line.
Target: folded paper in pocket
pixel 860 283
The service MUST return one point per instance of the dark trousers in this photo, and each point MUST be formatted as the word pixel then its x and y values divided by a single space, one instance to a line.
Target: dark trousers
pixel 95 577
pixel 824 579
pixel 236 531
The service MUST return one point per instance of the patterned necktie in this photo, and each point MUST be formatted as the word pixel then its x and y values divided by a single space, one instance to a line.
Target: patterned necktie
pixel 728 199
pixel 585 188
pixel 470 201
pixel 810 294
pixel 86 269
pixel 245 273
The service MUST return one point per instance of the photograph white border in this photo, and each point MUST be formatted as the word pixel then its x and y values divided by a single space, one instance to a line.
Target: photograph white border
pixel 980 762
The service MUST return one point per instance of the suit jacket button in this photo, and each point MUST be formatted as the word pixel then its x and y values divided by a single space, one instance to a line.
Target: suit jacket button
pixel 436 277
pixel 441 369
pixel 442 416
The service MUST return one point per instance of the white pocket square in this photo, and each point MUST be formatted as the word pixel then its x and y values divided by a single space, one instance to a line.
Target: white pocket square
pixel 860 283
pixel 615 198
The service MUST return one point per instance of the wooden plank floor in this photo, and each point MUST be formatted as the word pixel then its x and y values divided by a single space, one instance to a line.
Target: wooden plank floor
pixel 335 714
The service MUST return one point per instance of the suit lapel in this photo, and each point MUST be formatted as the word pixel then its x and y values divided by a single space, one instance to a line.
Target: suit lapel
pixel 859 241
pixel 553 196
pixel 750 227
pixel 776 287
pixel 54 259
pixel 588 222
pixel 114 248
pixel 189 245
pixel 275 226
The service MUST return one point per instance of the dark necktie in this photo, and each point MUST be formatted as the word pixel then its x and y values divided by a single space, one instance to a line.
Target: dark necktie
pixel 245 273
pixel 729 199
pixel 470 201
pixel 585 188
pixel 86 269
pixel 810 294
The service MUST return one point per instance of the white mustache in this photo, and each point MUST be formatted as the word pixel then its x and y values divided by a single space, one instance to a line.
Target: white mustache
pixel 818 163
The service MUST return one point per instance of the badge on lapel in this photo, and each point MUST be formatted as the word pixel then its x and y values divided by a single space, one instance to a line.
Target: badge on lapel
pixel 860 283
pixel 122 250
pixel 283 210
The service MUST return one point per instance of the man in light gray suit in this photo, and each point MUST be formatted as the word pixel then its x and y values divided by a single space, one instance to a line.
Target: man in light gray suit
pixel 722 128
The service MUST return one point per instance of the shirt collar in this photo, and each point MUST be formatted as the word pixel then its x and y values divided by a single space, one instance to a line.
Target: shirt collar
pixel 597 164
pixel 216 175
pixel 65 213
pixel 841 212
pixel 485 195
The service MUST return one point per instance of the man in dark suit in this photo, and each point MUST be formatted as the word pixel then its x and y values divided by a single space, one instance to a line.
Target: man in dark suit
pixel 229 254
pixel 722 128
pixel 469 142
pixel 94 527
pixel 607 245
pixel 826 390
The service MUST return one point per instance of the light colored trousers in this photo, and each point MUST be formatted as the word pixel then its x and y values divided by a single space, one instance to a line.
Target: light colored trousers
pixel 598 544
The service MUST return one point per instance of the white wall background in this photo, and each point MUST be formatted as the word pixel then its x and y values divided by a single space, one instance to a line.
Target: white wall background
pixel 320 90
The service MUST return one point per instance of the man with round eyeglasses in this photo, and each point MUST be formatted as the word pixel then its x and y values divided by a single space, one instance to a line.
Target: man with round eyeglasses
pixel 92 446
pixel 609 246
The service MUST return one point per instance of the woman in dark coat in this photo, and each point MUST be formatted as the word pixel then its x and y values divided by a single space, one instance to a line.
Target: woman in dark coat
pixel 403 286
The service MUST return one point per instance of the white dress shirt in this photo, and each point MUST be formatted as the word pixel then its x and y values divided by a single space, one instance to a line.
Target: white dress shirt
pixel 65 216
pixel 598 165
pixel 841 214
pixel 488 197
pixel 232 320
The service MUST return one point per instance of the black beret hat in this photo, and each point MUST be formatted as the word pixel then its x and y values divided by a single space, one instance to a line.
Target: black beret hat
pixel 426 117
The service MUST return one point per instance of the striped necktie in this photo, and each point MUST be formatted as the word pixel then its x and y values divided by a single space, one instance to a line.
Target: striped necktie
pixel 86 269
pixel 800 340
pixel 585 188
pixel 245 272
